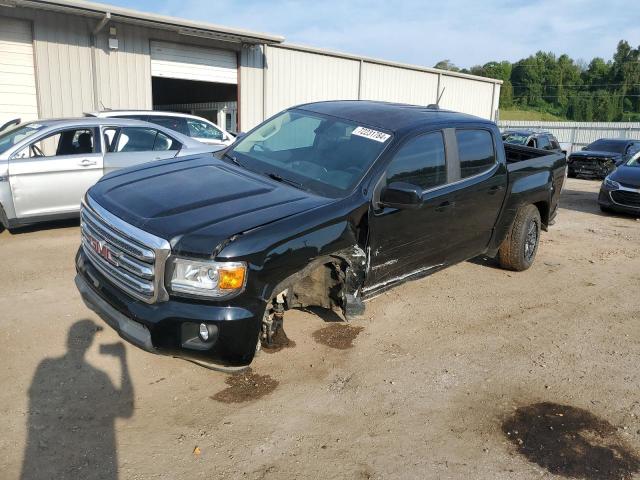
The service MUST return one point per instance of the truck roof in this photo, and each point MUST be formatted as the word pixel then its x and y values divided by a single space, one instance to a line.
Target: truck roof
pixel 392 117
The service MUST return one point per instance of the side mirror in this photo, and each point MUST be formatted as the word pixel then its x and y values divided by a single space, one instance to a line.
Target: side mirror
pixel 401 195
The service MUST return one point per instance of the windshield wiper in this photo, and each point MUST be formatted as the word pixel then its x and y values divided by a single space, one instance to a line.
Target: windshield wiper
pixel 232 158
pixel 280 178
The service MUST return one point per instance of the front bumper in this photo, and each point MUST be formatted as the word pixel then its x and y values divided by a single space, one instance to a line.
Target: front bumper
pixel 579 168
pixel 170 327
pixel 605 200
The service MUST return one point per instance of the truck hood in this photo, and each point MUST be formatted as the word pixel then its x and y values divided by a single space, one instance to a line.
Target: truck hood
pixel 627 176
pixel 198 203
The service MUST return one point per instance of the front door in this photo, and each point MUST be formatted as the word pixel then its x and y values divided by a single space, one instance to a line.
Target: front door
pixel 51 175
pixel 406 242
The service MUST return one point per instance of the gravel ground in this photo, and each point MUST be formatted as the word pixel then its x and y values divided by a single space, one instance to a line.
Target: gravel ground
pixel 473 372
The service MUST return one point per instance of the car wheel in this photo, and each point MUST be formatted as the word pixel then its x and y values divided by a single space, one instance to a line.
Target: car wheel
pixel 4 223
pixel 519 248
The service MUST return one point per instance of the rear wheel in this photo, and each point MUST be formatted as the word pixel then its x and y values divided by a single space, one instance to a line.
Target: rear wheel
pixel 519 248
pixel 4 223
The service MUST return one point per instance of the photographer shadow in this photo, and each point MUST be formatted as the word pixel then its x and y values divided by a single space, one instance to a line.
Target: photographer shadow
pixel 72 412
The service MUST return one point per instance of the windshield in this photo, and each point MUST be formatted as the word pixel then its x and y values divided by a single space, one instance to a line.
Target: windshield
pixel 14 135
pixel 635 161
pixel 323 154
pixel 516 138
pixel 606 146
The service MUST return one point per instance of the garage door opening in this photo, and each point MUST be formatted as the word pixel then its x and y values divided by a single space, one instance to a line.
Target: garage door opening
pixel 217 102
pixel 197 80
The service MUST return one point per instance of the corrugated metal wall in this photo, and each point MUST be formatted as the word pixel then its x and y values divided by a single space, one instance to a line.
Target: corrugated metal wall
pixel 296 75
pixel 393 84
pixel 578 134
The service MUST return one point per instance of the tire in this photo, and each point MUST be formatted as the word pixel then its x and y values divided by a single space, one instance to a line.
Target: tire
pixel 519 248
pixel 4 223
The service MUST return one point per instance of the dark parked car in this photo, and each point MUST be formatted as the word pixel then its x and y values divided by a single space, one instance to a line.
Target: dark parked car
pixel 601 157
pixel 325 204
pixel 530 138
pixel 620 191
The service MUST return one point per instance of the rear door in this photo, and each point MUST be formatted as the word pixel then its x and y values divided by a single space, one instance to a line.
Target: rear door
pixel 129 146
pixel 479 192
pixel 51 174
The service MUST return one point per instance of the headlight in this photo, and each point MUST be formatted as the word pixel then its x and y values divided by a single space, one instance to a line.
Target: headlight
pixel 207 278
pixel 611 184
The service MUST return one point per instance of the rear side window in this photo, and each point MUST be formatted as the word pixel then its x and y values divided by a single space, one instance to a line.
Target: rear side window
pixel 200 129
pixel 137 139
pixel 554 144
pixel 543 143
pixel 475 151
pixel 177 124
pixel 420 161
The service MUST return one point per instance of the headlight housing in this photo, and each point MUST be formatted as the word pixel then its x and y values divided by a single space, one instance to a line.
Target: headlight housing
pixel 204 278
pixel 611 184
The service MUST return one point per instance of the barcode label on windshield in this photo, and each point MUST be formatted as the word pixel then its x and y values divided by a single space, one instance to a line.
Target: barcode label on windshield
pixel 371 134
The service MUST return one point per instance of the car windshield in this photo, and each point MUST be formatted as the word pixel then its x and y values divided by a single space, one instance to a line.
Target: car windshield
pixel 323 154
pixel 14 135
pixel 635 160
pixel 516 138
pixel 606 146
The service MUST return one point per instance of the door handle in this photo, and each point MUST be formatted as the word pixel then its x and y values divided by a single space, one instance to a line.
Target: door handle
pixel 85 162
pixel 445 205
pixel 495 189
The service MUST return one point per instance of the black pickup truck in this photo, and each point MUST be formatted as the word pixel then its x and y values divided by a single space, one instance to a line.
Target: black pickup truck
pixel 325 204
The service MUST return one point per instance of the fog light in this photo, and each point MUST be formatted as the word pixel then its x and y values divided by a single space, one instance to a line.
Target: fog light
pixel 204 332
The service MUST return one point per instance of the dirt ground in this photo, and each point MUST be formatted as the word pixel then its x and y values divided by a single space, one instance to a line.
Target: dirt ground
pixel 473 372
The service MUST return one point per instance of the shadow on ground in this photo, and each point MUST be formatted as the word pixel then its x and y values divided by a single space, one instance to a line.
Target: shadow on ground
pixel 54 225
pixel 72 410
pixel 571 442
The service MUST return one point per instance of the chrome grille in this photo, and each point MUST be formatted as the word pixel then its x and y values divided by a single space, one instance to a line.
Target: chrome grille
pixel 130 258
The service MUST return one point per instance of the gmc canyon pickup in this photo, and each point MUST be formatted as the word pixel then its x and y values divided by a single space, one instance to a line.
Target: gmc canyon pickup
pixel 324 204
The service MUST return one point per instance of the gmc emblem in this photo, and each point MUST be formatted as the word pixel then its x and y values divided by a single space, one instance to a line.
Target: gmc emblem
pixel 102 249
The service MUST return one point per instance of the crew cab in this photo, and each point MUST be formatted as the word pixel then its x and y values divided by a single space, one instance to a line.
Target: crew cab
pixel 326 204
pixel 47 166
pixel 600 158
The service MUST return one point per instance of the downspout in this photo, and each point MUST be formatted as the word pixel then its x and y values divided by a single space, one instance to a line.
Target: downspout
pixel 94 70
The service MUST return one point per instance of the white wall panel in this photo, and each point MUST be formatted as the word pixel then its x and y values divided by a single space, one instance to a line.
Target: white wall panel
pixel 295 77
pixel 18 97
pixel 393 84
pixel 468 96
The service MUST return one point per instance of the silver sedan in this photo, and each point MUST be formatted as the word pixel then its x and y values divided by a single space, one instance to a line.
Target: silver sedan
pixel 47 166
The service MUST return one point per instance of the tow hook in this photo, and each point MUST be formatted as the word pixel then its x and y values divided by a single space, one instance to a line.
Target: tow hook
pixel 273 336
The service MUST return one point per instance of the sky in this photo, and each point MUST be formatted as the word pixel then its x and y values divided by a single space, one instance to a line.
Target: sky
pixel 467 32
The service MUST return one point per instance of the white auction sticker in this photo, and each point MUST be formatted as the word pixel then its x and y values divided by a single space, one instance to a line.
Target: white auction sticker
pixel 371 134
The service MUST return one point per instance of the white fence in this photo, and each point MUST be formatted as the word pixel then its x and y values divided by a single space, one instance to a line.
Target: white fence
pixel 575 135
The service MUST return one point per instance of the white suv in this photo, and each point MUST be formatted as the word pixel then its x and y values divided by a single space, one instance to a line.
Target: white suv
pixel 192 126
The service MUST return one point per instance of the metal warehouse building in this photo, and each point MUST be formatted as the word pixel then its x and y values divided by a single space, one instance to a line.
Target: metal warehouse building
pixel 60 58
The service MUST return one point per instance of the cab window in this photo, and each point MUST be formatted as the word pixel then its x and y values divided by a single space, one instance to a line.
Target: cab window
pixel 420 161
pixel 475 151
